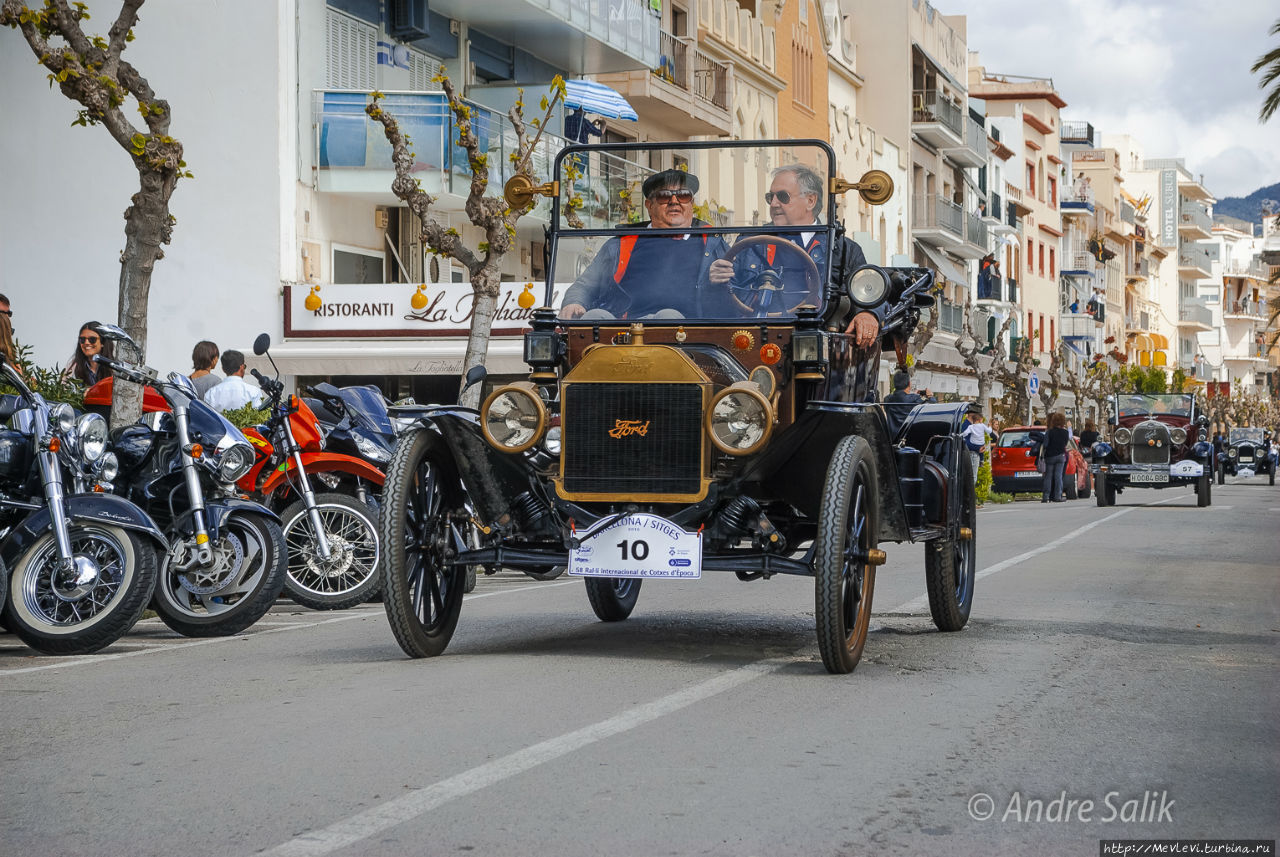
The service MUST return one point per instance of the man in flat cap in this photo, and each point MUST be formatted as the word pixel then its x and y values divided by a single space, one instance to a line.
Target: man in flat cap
pixel 663 276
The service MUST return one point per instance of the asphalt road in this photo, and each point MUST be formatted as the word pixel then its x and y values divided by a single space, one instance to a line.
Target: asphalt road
pixel 1124 656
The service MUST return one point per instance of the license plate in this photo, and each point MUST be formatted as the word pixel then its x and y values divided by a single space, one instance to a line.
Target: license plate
pixel 640 545
pixel 1246 461
pixel 1028 474
pixel 1148 477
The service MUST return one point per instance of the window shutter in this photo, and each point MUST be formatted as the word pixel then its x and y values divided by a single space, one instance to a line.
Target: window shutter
pixel 352 53
pixel 422 71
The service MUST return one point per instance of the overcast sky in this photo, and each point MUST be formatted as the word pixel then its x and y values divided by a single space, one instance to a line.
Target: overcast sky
pixel 1172 73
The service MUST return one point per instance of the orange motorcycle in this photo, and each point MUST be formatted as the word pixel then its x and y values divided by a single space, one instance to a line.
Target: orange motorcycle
pixel 332 537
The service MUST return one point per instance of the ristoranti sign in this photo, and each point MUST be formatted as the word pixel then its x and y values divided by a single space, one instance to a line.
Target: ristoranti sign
pixel 387 310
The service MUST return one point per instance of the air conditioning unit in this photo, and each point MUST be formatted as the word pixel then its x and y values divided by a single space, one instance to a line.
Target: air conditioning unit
pixel 408 19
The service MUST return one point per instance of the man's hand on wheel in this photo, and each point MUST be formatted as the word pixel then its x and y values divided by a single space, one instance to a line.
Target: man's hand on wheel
pixel 864 327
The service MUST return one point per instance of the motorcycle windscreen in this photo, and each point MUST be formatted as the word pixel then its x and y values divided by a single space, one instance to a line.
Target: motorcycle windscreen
pixel 209 427
pixel 745 233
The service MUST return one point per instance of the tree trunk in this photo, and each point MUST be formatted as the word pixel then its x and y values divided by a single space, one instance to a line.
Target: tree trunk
pixel 485 287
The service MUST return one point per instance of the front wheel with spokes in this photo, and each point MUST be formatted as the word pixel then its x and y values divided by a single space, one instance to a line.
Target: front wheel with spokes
pixel 951 564
pixel 422 586
pixel 349 575
pixel 844 573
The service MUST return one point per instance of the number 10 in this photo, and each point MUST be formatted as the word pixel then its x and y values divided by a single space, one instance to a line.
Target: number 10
pixel 639 549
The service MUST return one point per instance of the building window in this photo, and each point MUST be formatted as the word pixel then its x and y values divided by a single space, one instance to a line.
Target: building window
pixel 1031 322
pixel 802 68
pixel 356 265
pixel 1052 263
pixel 1031 179
pixel 1053 191
pixel 1031 259
pixel 351 53
pixel 1043 346
pixel 1042 260
pixel 1053 335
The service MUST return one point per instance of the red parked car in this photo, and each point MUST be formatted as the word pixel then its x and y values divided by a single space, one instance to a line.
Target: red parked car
pixel 1013 464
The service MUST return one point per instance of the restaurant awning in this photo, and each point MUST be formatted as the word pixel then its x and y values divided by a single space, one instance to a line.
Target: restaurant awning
pixel 944 265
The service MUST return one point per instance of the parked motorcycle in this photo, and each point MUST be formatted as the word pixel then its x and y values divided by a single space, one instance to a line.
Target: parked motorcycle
pixel 332 538
pixel 355 421
pixel 83 564
pixel 225 564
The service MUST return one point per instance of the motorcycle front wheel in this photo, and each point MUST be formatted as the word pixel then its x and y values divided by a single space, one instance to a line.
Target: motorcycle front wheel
pixel 237 589
pixel 79 610
pixel 351 575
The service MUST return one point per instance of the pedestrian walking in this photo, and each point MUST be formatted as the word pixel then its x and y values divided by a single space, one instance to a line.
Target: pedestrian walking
pixel 203 358
pixel 1054 452
pixel 234 393
pixel 975 436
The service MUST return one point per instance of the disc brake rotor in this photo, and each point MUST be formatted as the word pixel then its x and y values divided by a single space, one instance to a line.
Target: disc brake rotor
pixel 228 557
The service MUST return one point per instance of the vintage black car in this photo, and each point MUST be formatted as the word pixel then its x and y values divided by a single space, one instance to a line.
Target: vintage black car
pixel 709 429
pixel 1249 452
pixel 1155 440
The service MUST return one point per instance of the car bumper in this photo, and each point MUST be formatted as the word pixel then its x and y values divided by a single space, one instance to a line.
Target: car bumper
pixel 1151 475
pixel 1020 482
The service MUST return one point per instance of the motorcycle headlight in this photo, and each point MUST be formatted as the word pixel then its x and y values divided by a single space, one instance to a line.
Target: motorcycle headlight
pixel 403 424
pixel 61 418
pixel 92 431
pixel 739 420
pixel 1123 436
pixel 1178 435
pixel 108 467
pixel 234 462
pixel 513 417
pixel 371 450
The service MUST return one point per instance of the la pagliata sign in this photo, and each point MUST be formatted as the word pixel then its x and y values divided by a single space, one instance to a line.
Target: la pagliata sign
pixel 387 310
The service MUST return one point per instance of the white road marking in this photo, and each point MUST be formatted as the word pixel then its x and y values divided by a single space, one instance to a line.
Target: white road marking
pixel 408 807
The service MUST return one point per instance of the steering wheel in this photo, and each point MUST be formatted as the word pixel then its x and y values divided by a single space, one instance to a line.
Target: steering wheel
pixel 761 292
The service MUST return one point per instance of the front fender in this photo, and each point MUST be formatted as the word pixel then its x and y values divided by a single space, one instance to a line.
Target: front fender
pixel 84 508
pixel 216 513
pixel 323 462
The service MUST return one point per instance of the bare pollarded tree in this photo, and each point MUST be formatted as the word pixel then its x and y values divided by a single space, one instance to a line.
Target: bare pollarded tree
pixel 90 70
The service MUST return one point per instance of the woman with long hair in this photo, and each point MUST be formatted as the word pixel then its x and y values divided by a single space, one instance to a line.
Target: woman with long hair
pixel 89 344
pixel 1055 458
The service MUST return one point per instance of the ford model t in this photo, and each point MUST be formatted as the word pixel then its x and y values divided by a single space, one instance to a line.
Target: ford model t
pixel 700 399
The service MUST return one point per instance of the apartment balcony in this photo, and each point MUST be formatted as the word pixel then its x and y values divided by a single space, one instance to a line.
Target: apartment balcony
pixel 1078 325
pixel 1076 202
pixel 1194 222
pixel 974 151
pixel 726 22
pixel 1194 316
pixel 1247 310
pixel 1138 269
pixel 936 120
pixel 686 90
pixel 580 36
pixel 1254 269
pixel 1077 133
pixel 1197 370
pixel 1077 263
pixel 1194 263
pixel 942 223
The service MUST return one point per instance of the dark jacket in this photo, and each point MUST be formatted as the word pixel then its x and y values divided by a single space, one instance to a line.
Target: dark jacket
pixel 847 259
pixel 1055 442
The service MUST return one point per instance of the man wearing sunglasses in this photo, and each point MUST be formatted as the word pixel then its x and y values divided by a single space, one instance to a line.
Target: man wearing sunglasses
pixel 661 277
pixel 795 199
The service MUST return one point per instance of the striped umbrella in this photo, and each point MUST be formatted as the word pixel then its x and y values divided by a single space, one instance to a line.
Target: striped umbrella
pixel 599 99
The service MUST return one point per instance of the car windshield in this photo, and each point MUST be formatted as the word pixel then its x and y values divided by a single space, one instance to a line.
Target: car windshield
pixel 1143 404
pixel 674 232
pixel 1250 435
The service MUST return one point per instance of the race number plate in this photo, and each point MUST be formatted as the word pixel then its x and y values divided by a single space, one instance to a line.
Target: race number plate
pixel 1187 468
pixel 1148 477
pixel 639 545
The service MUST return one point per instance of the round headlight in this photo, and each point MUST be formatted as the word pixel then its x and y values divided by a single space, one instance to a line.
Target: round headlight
pixel 1123 435
pixel 739 420
pixel 1178 435
pixel 235 462
pixel 61 417
pixel 513 417
pixel 868 286
pixel 552 441
pixel 1231 452
pixel 92 430
pixel 108 467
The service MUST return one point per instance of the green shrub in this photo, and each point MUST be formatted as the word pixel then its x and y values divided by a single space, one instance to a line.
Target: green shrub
pixel 247 416
pixel 983 486
pixel 47 382
pixel 998 498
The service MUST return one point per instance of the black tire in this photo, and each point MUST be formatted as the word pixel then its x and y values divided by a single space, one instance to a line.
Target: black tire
pixel 844 577
pixel 352 574
pixel 1088 485
pixel 1271 475
pixel 1222 475
pixel 613 598
pixel 422 589
pixel 245 590
pixel 95 615
pixel 1105 490
pixel 1071 490
pixel 951 565
pixel 1204 491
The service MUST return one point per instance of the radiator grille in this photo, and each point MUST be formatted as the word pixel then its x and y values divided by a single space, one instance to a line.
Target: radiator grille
pixel 1146 453
pixel 632 438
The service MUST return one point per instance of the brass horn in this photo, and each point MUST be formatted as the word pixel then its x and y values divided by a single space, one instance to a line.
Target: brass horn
pixel 520 190
pixel 876 186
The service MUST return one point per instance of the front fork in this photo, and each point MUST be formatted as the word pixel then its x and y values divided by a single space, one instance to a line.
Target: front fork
pixel 308 496
pixel 195 493
pixel 73 579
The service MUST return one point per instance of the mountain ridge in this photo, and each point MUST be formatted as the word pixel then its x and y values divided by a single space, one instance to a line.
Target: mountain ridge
pixel 1249 207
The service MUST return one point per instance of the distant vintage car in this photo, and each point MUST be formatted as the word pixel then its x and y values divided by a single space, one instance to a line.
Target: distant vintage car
pixel 1249 452
pixel 1155 440
pixel 1013 464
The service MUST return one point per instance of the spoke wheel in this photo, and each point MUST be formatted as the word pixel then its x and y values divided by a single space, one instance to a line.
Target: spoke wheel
pixel 350 575
pixel 844 577
pixel 58 615
pixel 951 565
pixel 613 598
pixel 246 577
pixel 423 587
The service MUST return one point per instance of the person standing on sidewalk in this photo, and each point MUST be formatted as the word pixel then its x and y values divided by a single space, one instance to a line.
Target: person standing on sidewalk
pixel 975 436
pixel 1055 458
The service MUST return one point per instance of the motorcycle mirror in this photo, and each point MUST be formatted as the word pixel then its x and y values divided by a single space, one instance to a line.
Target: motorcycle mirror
pixel 114 333
pixel 261 344
pixel 475 375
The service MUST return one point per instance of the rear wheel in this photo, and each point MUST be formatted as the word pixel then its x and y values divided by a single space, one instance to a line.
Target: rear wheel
pixel 54 612
pixel 1088 484
pixel 350 575
pixel 1222 474
pixel 423 587
pixel 951 565
pixel 613 598
pixel 1072 488
pixel 843 573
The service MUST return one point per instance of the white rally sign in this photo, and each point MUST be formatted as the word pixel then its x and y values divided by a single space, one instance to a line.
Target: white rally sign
pixel 639 545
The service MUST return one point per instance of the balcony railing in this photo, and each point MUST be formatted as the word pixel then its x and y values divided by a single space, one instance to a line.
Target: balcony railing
pixel 995 207
pixel 929 105
pixel 1195 314
pixel 1194 257
pixel 1195 215
pixel 1127 213
pixel 1078 260
pixel 935 212
pixel 1077 132
pixel 1253 268
pixel 1244 307
pixel 710 80
pixel 673 64
pixel 975 229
